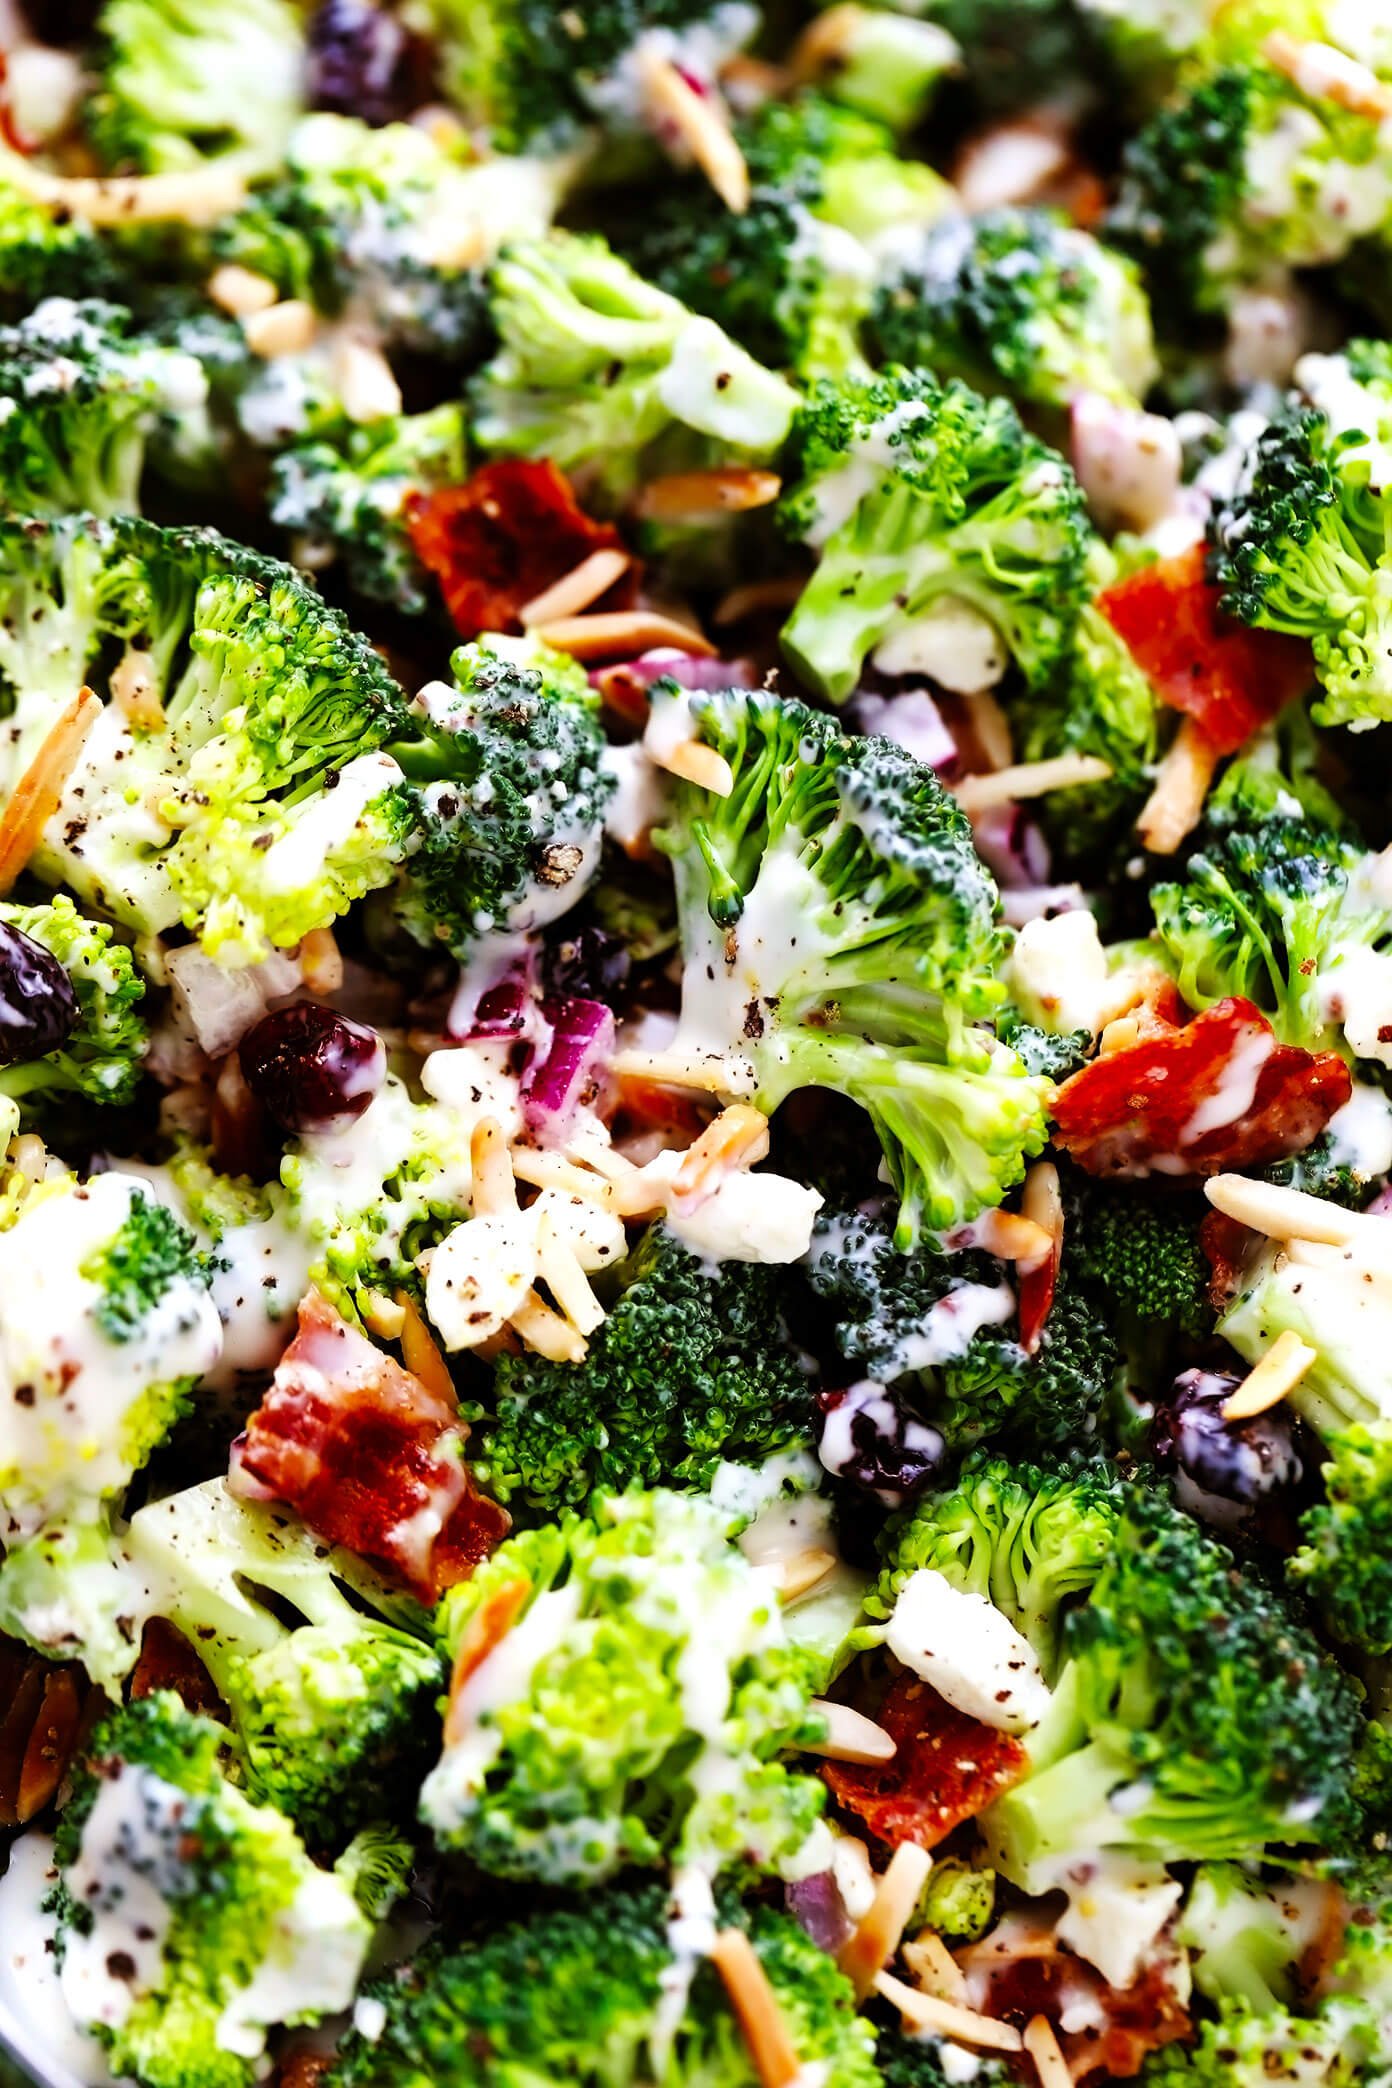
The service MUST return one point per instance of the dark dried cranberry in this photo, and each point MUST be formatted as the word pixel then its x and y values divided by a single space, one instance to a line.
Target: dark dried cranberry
pixel 62 21
pixel 359 62
pixel 1224 1468
pixel 38 1008
pixel 870 1438
pixel 591 964
pixel 310 1069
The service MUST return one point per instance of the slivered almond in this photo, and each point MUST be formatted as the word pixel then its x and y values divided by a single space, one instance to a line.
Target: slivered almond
pixel 381 1316
pixel 946 2019
pixel 1030 779
pixel 36 795
pixel 419 1351
pixel 992 729
pixel 687 496
pixel 771 2048
pixel 241 291
pixel 1286 1214
pixel 1267 1383
pixel 757 595
pixel 1328 74
pixel 286 328
pixel 196 196
pixel 873 1943
pixel 850 1735
pixel 713 1075
pixel 935 1969
pixel 321 961
pixel 566 1280
pixel 732 1142
pixel 754 80
pixel 804 1570
pixel 552 1171
pixel 823 44
pixel 135 690
pixel 494 1187
pixel 366 383
pixel 1043 2047
pixel 620 633
pixel 695 762
pixel 29 1155
pixel 596 1152
pixel 701 121
pixel 1011 1236
pixel 1042 1204
pixel 1176 802
pixel 546 1332
pixel 575 590
pixel 455 243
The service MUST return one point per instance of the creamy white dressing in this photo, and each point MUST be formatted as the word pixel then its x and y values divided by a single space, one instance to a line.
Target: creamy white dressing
pixel 127 1868
pixel 325 824
pixel 758 1217
pixel 1117 1908
pixel 1234 1091
pixel 472 1082
pixel 966 1649
pixel 639 799
pixel 311 1967
pixel 31 1993
pixel 953 642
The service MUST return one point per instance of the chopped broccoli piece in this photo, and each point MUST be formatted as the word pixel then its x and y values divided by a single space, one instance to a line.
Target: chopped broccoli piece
pixel 838 931
pixel 595 1764
pixel 71 1593
pixel 607 375
pixel 907 2059
pixel 227 1926
pixel 584 1994
pixel 1022 301
pixel 916 495
pixel 1246 2048
pixel 1247 1936
pixel 507 793
pixel 349 502
pixel 1138 1252
pixel 329 1696
pixel 959 1899
pixel 884 64
pixel 182 81
pixel 101 1056
pixel 376 1867
pixel 1345 1561
pixel 689 1369
pixel 1030 1538
pixel 1096 701
pixel 47 253
pixel 243 794
pixel 1041 1051
pixel 1195 1717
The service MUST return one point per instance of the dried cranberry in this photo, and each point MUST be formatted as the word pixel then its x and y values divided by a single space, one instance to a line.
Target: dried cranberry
pixel 311 1069
pixel 1225 1469
pixel 359 62
pixel 38 1008
pixel 62 21
pixel 870 1438
pixel 591 964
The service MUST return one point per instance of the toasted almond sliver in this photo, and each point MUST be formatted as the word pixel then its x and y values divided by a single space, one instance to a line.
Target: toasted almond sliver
pixel 419 1351
pixel 873 1943
pixel 1030 779
pixel 366 383
pixel 822 45
pixel 702 122
pixel 804 1570
pixel 566 1280
pixel 850 1736
pixel 713 1075
pixel 695 762
pixel 756 596
pixel 1267 1383
pixel 1176 803
pixel 135 690
pixel 553 1171
pixel 321 961
pixel 1326 73
pixel 620 633
pixel 286 328
pixel 1011 1236
pixel 1042 1204
pixel 196 195
pixel 1285 1214
pixel 935 1969
pixel 1043 2047
pixel 686 496
pixel 596 1152
pixel 546 1332
pixel 241 291
pixel 575 590
pixel 455 243
pixel 381 1316
pixel 946 2019
pixel 771 2048
pixel 992 728
pixel 730 1144
pixel 494 1187
pixel 36 795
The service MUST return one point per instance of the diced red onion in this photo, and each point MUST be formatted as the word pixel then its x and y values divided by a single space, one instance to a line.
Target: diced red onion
pixel 582 1043
pixel 691 670
pixel 816 1905
pixel 1012 847
pixel 1031 902
pixel 913 721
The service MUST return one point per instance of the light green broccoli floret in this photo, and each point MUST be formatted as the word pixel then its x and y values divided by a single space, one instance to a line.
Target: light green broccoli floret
pixel 101 1056
pixel 183 81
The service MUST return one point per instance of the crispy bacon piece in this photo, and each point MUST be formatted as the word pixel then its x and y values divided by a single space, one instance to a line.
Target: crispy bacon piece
pixel 1228 1246
pixel 1021 1970
pixel 368 1457
pixel 1218 1093
pixel 503 537
pixel 1229 679
pixel 946 1768
pixel 42 1719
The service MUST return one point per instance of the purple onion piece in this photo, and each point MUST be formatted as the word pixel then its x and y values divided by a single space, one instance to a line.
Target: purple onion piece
pixel 1012 847
pixel 691 670
pixel 817 1907
pixel 582 1042
pixel 913 721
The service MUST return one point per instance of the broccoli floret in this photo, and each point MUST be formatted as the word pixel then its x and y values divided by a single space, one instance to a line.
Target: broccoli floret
pixel 584 1994
pixel 919 496
pixel 80 395
pixel 376 1867
pixel 1016 51
pixel 100 1057
pixel 507 792
pixel 595 1763
pixel 838 931
pixel 1194 1717
pixel 905 2059
pixel 1246 2048
pixel 349 503
pixel 1345 1560
pixel 607 375
pixel 1247 1936
pixel 1041 1051
pixel 1340 1304
pixel 237 788
pixel 1030 1538
pixel 47 253
pixel 1096 701
pixel 1020 301
pixel 687 1370
pixel 107 1324
pixel 329 1697
pixel 71 1593
pixel 959 1899
pixel 182 81
pixel 1301 546
pixel 789 277
pixel 225 1925
pixel 1138 1253
pixel 885 64
pixel 898 1319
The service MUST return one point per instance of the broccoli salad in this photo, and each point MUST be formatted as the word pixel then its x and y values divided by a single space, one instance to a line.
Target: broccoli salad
pixel 695 1043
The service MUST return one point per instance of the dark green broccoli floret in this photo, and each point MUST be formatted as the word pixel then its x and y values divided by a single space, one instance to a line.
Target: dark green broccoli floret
pixel 1016 51
pixel 688 1368
pixel 1051 1399
pixel 1018 300
pixel 329 1697
pixel 1030 1538
pixel 349 502
pixel 1184 182
pixel 376 1867
pixel 186 80
pixel 1055 1057
pixel 1345 1561
pixel 101 1056
pixel 1138 1253
pixel 576 1994
pixel 905 2060
pixel 227 1926
pixel 151 1252
pixel 915 493
pixel 47 253
pixel 838 931
pixel 507 793
pixel 1096 701
pixel 1195 1717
